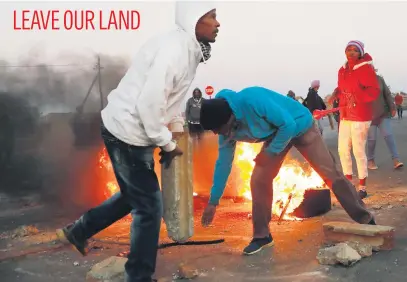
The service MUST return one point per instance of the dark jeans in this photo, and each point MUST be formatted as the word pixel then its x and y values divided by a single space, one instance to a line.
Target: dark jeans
pixel 139 195
pixel 400 111
pixel 195 130
pixel 313 148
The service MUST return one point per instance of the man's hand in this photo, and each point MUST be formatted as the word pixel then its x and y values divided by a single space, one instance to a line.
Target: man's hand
pixel 208 215
pixel 167 157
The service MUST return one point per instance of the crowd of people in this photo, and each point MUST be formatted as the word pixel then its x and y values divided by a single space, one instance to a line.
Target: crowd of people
pixel 143 114
pixel 363 109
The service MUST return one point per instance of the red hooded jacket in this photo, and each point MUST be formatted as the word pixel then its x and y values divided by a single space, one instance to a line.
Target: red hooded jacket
pixel 398 100
pixel 357 89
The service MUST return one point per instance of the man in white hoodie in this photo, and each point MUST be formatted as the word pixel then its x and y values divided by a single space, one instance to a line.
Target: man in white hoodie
pixel 141 115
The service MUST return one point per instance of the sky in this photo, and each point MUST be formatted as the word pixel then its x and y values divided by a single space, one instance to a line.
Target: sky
pixel 279 45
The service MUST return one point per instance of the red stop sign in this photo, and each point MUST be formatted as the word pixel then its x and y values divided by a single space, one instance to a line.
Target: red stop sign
pixel 209 90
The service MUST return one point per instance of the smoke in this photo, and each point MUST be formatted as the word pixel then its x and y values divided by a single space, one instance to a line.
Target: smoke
pixel 37 103
pixel 60 87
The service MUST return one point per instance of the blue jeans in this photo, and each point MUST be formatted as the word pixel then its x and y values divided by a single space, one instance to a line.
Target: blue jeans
pixel 387 133
pixel 139 195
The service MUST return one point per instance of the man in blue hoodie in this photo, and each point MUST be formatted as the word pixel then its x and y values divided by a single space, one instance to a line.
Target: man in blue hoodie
pixel 257 114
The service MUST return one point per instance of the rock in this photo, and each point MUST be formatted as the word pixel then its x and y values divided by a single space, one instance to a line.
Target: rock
pixel 347 255
pixel 24 231
pixel 339 254
pixel 186 271
pixel 377 207
pixel 378 236
pixel 164 280
pixel 364 250
pixel 75 263
pixel 327 255
pixel 108 270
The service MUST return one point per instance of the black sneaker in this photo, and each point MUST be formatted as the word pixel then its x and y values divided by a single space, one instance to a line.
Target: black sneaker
pixel 372 222
pixel 65 236
pixel 362 194
pixel 257 244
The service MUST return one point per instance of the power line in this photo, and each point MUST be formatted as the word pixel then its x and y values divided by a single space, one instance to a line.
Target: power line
pixel 44 65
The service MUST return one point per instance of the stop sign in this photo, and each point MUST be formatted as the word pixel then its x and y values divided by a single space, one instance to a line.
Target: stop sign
pixel 209 90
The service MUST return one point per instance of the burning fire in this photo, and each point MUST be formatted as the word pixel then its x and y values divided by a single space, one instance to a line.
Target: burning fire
pixel 293 179
pixel 108 173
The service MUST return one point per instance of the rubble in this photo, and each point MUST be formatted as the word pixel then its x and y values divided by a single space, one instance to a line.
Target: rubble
pixel 378 236
pixel 364 250
pixel 112 270
pixel 24 230
pixel 108 270
pixel 186 272
pixel 339 254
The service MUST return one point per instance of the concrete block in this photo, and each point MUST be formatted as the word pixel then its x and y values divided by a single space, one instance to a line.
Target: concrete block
pixel 378 236
pixel 177 189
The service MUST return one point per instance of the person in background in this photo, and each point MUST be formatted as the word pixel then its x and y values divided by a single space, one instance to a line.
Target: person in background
pixel 337 115
pixel 291 94
pixel 314 102
pixel 357 89
pixel 142 114
pixel 255 115
pixel 192 111
pixel 384 109
pixel 398 99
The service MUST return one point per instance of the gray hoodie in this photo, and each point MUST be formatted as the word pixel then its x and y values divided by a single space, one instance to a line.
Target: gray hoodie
pixel 193 109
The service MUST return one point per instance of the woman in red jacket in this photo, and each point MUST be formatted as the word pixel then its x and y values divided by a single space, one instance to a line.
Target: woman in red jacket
pixel 357 88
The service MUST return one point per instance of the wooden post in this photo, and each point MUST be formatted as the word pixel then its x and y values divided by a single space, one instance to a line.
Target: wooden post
pixel 177 189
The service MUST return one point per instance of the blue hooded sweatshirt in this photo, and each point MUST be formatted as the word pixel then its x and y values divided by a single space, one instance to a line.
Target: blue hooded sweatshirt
pixel 261 115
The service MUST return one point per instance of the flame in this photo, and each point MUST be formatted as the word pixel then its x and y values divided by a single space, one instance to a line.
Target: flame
pixel 292 178
pixel 107 172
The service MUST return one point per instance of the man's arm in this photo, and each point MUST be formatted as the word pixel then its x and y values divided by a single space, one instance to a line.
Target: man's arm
pixel 278 117
pixel 152 103
pixel 323 105
pixel 176 124
pixel 187 108
pixel 223 168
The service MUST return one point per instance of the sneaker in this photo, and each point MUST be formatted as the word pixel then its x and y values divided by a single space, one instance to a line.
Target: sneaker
pixel 397 164
pixel 65 236
pixel 362 192
pixel 257 244
pixel 372 222
pixel 372 165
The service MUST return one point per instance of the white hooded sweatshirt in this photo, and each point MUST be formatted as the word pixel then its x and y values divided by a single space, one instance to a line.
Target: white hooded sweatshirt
pixel 148 99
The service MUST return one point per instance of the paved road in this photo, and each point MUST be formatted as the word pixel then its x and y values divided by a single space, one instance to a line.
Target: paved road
pixel 292 259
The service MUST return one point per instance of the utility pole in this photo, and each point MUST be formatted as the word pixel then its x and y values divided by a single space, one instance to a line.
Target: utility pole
pixel 98 77
pixel 100 83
